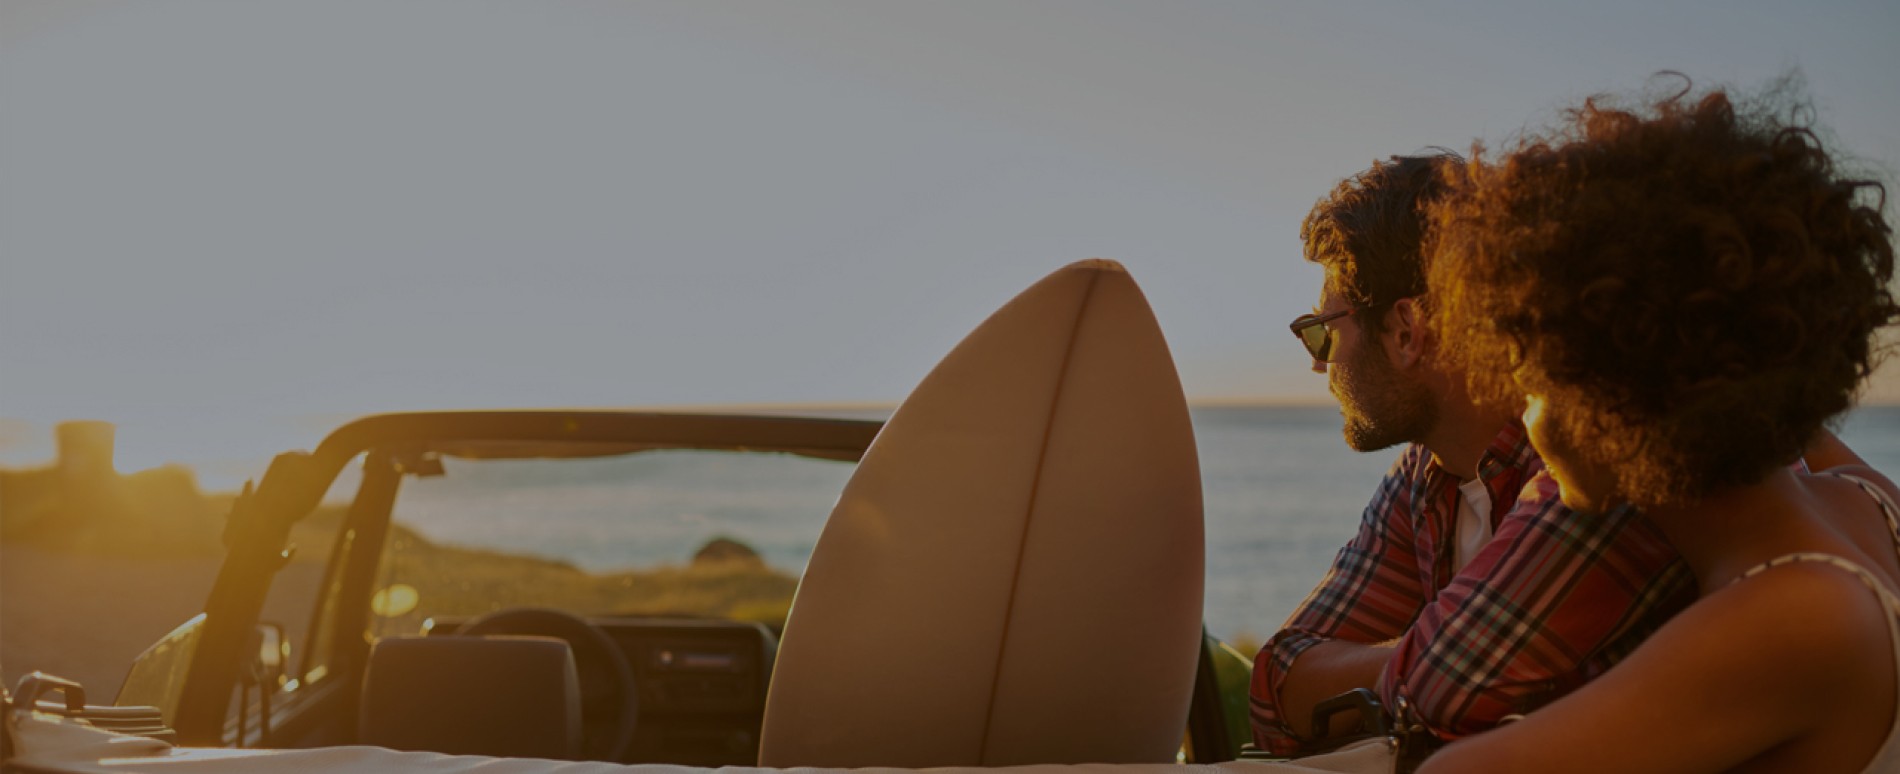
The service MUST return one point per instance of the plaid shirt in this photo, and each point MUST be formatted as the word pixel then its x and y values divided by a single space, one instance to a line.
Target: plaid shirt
pixel 1552 601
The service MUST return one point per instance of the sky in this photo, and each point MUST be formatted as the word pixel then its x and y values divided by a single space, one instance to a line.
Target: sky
pixel 229 226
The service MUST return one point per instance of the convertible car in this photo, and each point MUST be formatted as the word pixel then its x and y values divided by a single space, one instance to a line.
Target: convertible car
pixel 1007 572
pixel 654 684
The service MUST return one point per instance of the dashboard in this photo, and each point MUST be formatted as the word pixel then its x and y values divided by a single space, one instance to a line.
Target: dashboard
pixel 702 686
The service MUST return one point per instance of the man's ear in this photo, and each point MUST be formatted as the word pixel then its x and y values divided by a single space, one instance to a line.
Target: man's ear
pixel 1406 339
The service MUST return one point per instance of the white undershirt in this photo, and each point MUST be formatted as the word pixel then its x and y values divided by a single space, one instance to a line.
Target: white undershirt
pixel 1474 522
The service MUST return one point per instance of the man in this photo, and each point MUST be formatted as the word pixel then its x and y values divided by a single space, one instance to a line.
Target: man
pixel 1468 594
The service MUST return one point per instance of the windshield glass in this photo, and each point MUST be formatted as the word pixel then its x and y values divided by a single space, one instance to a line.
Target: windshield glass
pixel 157 676
pixel 673 532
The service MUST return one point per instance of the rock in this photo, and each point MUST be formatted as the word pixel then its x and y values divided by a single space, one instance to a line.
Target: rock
pixel 721 550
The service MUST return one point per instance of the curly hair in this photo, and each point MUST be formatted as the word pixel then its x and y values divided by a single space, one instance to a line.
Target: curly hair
pixel 1367 232
pixel 1695 283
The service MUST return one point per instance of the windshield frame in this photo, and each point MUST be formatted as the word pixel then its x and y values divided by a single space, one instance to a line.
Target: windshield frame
pixel 259 525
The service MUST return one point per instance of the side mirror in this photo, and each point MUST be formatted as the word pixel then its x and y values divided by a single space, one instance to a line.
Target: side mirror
pixel 264 666
pixel 270 656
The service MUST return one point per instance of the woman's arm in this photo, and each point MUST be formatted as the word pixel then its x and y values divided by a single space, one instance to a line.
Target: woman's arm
pixel 1737 674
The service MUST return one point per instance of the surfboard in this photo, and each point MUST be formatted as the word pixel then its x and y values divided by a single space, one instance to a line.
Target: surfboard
pixel 1013 573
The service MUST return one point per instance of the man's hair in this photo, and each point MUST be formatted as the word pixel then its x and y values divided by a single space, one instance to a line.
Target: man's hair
pixel 1367 231
pixel 1693 284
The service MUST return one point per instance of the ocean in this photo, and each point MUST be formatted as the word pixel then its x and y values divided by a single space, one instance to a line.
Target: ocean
pixel 1282 494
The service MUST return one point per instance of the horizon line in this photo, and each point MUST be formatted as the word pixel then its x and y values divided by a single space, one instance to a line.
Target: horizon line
pixel 1225 401
pixel 1205 401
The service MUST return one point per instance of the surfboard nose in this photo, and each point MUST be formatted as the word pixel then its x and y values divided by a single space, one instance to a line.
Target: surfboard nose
pixel 1013 574
pixel 1097 264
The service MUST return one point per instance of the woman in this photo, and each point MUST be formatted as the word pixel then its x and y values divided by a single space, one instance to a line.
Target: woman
pixel 1678 296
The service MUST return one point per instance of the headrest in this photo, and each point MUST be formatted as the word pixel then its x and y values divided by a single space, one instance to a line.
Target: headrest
pixel 501 696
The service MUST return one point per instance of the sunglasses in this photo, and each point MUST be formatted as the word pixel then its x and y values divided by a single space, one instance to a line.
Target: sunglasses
pixel 1311 330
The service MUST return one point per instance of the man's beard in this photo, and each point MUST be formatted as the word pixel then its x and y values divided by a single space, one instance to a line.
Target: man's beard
pixel 1382 408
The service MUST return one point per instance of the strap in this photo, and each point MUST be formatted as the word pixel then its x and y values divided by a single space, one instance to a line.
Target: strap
pixel 1881 499
pixel 1887 597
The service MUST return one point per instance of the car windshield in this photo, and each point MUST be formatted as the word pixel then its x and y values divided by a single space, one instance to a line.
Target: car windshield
pixel 664 532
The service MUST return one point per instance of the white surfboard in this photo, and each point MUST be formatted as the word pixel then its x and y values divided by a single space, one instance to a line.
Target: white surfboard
pixel 1013 574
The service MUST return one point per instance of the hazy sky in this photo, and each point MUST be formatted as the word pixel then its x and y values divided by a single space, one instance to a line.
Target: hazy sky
pixel 228 225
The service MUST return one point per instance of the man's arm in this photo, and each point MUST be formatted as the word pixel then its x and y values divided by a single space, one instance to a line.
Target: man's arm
pixel 1370 595
pixel 1326 670
pixel 1552 601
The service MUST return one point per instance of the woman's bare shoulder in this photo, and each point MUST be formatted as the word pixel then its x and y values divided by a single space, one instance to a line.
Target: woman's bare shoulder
pixel 1790 613
pixel 1864 473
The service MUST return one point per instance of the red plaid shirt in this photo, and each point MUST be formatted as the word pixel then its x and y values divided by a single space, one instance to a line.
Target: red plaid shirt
pixel 1552 601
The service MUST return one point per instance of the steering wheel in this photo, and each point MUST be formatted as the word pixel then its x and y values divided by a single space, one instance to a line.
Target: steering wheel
pixel 608 713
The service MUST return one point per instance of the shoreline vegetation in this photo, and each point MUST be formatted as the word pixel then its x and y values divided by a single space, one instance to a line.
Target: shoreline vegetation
pixel 96 565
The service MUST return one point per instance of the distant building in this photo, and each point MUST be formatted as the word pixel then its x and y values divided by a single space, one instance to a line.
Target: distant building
pixel 81 484
pixel 84 451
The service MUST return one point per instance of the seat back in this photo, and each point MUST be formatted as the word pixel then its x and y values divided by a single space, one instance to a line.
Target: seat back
pixel 500 695
pixel 1013 573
